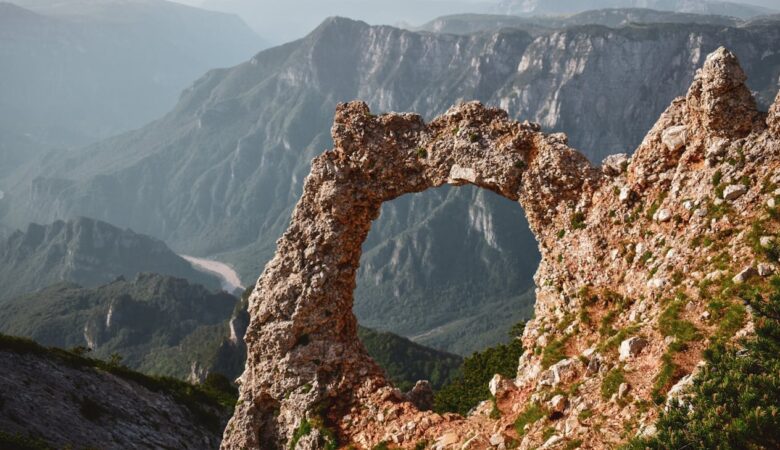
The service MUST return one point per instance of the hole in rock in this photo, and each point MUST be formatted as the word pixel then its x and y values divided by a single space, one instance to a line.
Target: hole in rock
pixel 451 270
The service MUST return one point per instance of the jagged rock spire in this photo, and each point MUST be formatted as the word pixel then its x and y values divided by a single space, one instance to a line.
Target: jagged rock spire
pixel 718 101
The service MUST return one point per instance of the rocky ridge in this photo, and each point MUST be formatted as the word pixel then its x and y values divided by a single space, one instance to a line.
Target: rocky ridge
pixel 643 260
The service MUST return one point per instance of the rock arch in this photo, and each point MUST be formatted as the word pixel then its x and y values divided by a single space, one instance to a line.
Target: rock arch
pixel 304 356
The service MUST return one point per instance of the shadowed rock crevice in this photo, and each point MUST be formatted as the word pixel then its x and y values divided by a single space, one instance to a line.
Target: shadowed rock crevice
pixel 306 367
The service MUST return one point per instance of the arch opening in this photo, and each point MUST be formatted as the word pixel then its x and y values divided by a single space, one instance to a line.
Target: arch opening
pixel 418 277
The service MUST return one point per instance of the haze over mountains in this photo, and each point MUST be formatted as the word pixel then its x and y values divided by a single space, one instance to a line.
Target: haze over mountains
pixel 281 22
pixel 75 71
pixel 220 173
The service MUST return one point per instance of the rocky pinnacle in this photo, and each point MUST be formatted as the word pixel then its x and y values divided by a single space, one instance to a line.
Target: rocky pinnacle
pixel 305 363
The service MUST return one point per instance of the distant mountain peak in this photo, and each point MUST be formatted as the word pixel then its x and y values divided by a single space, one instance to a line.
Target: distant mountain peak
pixel 85 251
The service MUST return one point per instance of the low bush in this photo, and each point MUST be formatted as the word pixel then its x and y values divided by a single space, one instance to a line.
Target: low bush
pixel 735 401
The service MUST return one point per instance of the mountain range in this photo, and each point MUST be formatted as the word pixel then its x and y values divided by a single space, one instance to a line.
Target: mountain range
pixel 219 174
pixel 281 22
pixel 86 252
pixel 613 18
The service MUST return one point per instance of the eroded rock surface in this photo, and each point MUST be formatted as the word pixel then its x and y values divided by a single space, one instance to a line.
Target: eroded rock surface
pixel 608 270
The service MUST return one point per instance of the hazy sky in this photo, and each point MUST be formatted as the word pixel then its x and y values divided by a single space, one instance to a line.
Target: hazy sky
pixel 279 21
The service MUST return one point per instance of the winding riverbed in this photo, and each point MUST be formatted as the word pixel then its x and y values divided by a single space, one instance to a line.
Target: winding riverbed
pixel 230 280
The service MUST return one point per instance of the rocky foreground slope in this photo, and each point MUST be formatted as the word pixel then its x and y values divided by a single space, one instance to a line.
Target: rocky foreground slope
pixel 55 399
pixel 643 261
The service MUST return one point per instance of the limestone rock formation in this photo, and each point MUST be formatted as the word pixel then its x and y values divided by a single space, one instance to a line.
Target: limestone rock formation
pixel 608 270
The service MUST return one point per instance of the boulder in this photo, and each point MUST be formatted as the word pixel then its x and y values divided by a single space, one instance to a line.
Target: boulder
pixel 746 274
pixel 615 164
pixel 497 439
pixel 497 385
pixel 594 364
pixel 625 194
pixel 734 191
pixel 461 175
pixel 674 137
pixel 632 347
pixel 623 390
pixel 421 395
pixel 663 215
pixel 765 270
pixel 564 371
pixel 557 405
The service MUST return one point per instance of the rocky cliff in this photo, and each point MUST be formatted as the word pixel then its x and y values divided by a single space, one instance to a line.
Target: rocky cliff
pixel 221 172
pixel 645 261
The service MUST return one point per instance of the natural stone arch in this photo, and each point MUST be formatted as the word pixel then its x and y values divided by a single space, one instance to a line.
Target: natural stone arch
pixel 304 356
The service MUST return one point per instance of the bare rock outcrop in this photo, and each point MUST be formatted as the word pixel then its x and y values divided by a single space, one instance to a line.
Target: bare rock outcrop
pixel 606 266
pixel 773 121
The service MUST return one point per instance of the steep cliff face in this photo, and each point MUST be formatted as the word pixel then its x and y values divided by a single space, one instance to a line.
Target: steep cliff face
pixel 222 171
pixel 644 260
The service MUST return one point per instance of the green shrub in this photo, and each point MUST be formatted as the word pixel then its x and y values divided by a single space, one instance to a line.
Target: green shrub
pixel 735 401
pixel 578 221
pixel 422 445
pixel 554 351
pixel 471 387
pixel 670 324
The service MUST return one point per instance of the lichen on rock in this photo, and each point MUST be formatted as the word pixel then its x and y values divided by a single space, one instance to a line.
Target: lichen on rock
pixel 619 259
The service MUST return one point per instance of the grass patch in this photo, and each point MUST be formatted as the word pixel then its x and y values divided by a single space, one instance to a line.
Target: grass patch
pixel 611 382
pixel 577 221
pixel 554 352
pixel 664 378
pixel 532 414
pixel 670 324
